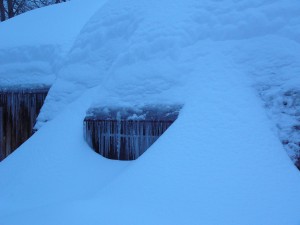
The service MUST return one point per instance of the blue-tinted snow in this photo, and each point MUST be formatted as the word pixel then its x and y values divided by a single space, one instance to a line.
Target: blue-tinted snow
pixel 33 45
pixel 220 163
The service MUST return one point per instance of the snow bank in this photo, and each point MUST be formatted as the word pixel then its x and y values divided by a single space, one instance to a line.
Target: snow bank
pixel 208 163
pixel 33 44
pixel 220 163
pixel 273 63
pixel 142 49
pixel 28 65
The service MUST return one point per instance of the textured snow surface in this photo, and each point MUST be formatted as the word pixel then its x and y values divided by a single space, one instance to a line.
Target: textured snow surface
pixel 220 163
pixel 145 49
pixel 33 45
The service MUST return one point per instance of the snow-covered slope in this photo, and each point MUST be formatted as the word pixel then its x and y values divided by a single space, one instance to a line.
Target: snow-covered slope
pixel 220 163
pixel 32 45
pixel 157 39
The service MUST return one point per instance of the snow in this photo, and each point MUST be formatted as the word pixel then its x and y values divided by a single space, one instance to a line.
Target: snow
pixel 273 64
pixel 139 47
pixel 33 45
pixel 55 24
pixel 221 162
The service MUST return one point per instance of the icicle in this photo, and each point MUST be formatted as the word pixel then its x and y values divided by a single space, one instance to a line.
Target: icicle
pixel 124 134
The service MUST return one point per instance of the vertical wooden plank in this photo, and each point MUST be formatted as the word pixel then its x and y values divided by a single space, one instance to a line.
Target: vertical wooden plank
pixel 19 110
pixel 123 139
pixel 1 135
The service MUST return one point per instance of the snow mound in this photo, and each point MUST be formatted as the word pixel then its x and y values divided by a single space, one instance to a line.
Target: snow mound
pixel 142 51
pixel 33 44
pixel 219 163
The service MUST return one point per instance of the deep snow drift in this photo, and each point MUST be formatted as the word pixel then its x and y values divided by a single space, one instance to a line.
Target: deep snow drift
pixel 33 45
pixel 221 162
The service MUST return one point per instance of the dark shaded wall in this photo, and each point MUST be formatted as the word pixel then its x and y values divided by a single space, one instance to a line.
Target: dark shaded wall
pixel 123 140
pixel 18 112
pixel 126 133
